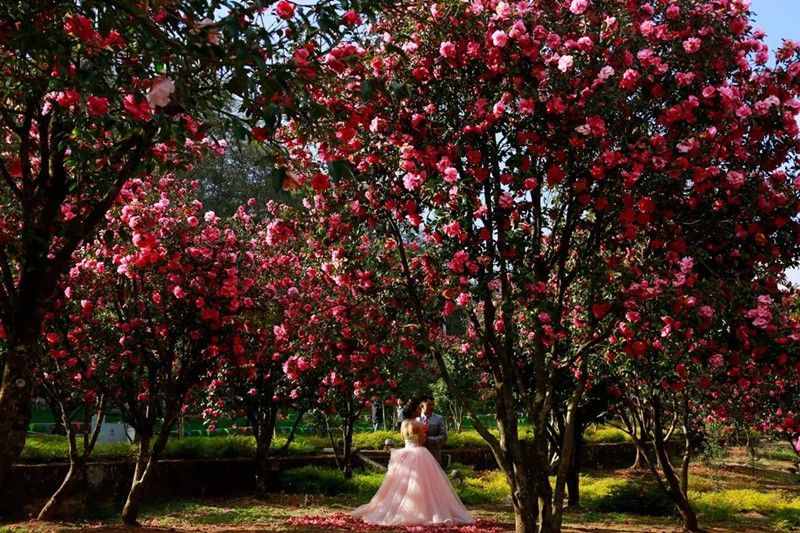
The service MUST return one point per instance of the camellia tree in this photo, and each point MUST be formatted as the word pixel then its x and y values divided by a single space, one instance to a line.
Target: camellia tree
pixel 697 347
pixel 530 163
pixel 70 377
pixel 256 386
pixel 174 284
pixel 96 93
pixel 342 328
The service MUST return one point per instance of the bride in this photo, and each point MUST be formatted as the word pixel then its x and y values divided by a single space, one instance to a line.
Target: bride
pixel 415 491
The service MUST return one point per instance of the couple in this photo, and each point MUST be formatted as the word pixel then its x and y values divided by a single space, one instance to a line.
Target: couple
pixel 416 491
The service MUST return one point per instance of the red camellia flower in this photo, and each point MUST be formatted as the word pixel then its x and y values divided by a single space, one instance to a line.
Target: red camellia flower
pixel 80 27
pixel 138 109
pixel 259 134
pixel 320 182
pixel 97 105
pixel 351 18
pixel 68 98
pixel 284 9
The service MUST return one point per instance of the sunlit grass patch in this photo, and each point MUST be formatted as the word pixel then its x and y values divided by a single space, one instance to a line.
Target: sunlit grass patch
pixel 779 507
pixel 596 434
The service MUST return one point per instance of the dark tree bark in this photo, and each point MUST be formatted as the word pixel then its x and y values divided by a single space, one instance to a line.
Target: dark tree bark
pixel 76 480
pixel 146 462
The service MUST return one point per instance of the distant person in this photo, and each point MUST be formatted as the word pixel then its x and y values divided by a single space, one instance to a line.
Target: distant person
pixel 376 413
pixel 399 414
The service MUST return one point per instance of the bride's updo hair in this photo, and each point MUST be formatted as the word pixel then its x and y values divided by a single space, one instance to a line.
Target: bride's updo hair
pixel 410 409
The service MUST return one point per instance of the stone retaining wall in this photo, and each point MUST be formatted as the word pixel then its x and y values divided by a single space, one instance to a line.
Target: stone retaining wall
pixel 31 485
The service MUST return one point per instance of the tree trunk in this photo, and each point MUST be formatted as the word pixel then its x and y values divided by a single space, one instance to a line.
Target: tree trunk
pixel 679 497
pixel 574 473
pixel 532 498
pixel 637 462
pixel 75 483
pixel 130 513
pixel 146 462
pixel 347 453
pixel 16 389
pixel 264 434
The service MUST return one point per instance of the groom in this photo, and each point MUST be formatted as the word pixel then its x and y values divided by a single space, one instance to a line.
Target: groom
pixel 437 432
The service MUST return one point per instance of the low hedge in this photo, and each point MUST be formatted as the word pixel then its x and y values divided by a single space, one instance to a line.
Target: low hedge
pixel 53 448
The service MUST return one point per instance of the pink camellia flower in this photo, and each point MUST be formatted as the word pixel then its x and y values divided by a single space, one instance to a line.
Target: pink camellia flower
pixel 447 50
pixel 284 9
pixel 673 12
pixel 630 79
pixel 735 179
pixel 744 111
pixel 192 221
pixel 160 92
pixel 499 38
pixel 692 45
pixel 606 72
pixel 80 27
pixel 498 109
pixel 578 7
pixel 412 181
pixel 451 175
pixel 320 182
pixel 706 311
pixel 565 63
pixel 97 106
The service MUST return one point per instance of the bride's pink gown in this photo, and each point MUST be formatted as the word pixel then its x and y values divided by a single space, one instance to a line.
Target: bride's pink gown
pixel 415 492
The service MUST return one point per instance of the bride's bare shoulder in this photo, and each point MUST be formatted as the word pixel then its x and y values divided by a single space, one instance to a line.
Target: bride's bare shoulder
pixel 410 425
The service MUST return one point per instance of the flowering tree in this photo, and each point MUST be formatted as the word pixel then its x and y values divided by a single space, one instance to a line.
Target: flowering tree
pixel 173 284
pixel 69 375
pixel 529 163
pixel 341 329
pixel 95 94
pixel 256 386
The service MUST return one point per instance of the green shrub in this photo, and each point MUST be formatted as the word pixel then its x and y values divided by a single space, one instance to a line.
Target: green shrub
pixel 374 440
pixel 210 447
pixel 634 498
pixel 465 439
pixel 596 434
pixel 328 481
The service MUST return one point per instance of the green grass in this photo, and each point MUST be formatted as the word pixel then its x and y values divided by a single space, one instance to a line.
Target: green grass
pixel 782 508
pixel 175 513
pixel 606 498
pixel 779 452
pixel 597 434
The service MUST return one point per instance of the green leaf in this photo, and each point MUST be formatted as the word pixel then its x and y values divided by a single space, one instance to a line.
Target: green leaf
pixel 367 89
pixel 340 169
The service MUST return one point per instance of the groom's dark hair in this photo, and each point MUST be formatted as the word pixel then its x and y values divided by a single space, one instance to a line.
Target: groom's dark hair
pixel 427 398
pixel 410 409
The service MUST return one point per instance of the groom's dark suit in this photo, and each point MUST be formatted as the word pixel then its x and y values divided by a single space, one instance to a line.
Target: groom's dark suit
pixel 437 434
